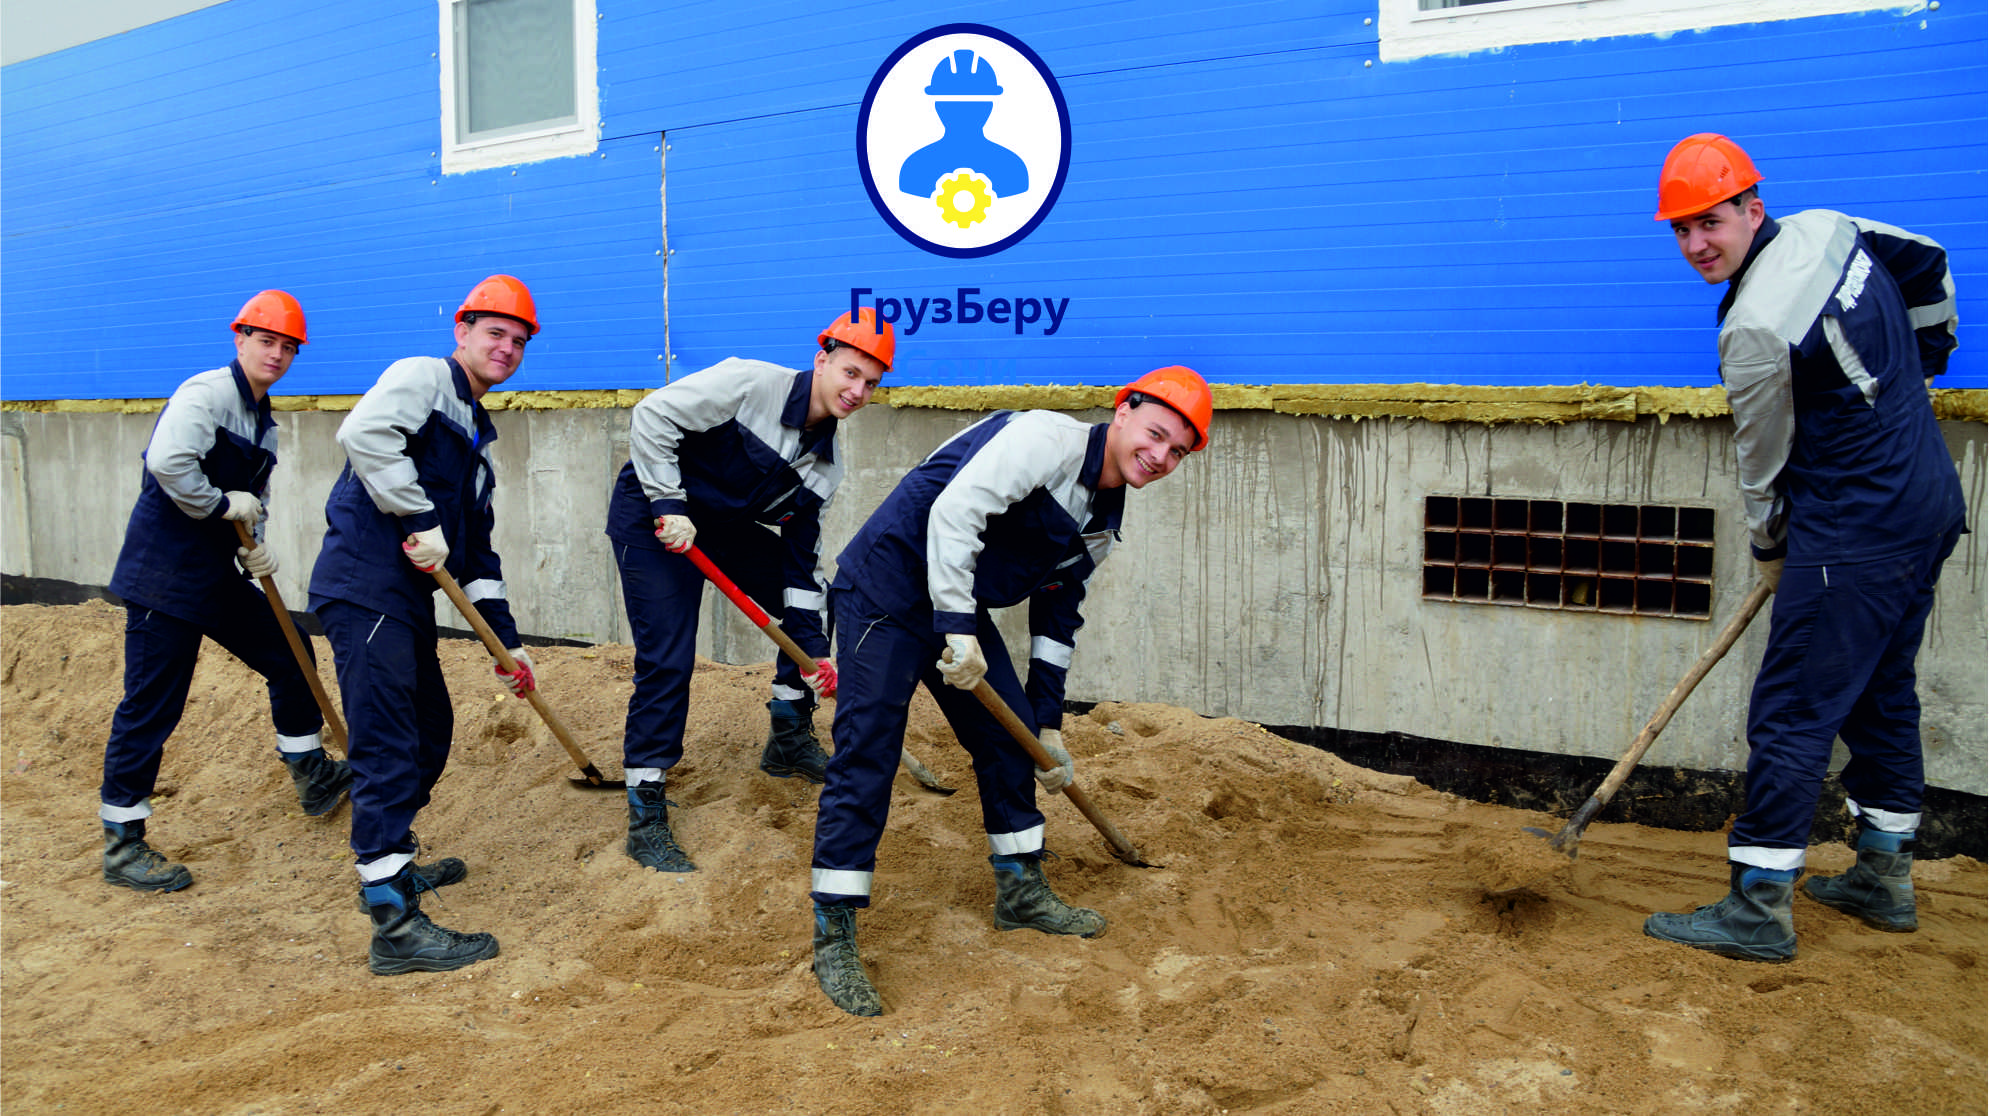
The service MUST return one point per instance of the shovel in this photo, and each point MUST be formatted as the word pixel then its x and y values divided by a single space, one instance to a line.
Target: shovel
pixel 332 724
pixel 794 653
pixel 594 779
pixel 1569 838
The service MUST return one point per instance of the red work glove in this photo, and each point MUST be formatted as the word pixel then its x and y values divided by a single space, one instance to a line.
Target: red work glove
pixel 519 681
pixel 823 681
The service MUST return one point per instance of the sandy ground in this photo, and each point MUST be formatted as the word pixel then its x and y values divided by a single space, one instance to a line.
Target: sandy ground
pixel 1315 942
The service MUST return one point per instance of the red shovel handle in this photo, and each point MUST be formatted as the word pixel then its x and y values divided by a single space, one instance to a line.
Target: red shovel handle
pixel 753 611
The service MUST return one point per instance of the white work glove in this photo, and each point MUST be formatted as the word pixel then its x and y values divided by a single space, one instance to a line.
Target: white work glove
pixel 242 507
pixel 1771 571
pixel 676 533
pixel 426 549
pixel 258 561
pixel 963 665
pixel 1058 777
pixel 823 681
pixel 519 681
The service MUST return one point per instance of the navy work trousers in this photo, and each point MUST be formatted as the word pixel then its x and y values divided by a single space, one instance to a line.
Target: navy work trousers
pixel 1841 645
pixel 662 592
pixel 159 656
pixel 398 721
pixel 880 662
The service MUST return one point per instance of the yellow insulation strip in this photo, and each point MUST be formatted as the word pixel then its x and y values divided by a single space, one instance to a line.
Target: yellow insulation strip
pixel 1430 402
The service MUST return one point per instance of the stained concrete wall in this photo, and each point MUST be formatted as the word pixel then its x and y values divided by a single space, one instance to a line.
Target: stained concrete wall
pixel 1275 577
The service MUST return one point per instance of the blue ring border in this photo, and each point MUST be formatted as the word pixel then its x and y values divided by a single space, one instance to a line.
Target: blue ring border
pixel 863 126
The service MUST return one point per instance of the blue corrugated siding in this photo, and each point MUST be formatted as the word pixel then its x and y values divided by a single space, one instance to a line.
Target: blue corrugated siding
pixel 1245 195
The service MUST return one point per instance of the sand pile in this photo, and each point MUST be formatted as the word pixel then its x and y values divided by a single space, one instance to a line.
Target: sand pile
pixel 1315 943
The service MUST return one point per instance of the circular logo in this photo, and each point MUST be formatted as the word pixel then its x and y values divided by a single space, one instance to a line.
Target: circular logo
pixel 963 140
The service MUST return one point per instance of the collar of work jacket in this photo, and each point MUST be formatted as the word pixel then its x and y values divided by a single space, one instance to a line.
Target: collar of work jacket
pixel 257 407
pixel 1762 236
pixel 821 440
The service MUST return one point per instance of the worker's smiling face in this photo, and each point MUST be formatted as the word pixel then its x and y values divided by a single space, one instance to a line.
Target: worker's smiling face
pixel 1715 242
pixel 264 357
pixel 1144 444
pixel 490 350
pixel 844 381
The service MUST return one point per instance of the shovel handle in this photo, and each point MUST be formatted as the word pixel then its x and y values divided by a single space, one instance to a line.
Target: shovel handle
pixel 496 648
pixel 296 641
pixel 1120 846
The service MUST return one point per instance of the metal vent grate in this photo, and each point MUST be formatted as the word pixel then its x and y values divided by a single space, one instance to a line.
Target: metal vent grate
pixel 1634 559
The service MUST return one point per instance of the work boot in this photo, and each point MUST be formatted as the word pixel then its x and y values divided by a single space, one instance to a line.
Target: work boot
pixel 405 941
pixel 791 745
pixel 434 876
pixel 1023 899
pixel 1752 923
pixel 838 969
pixel 650 841
pixel 1879 887
pixel 130 862
pixel 320 779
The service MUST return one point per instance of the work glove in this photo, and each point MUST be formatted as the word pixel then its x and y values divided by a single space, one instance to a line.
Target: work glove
pixel 1056 778
pixel 258 561
pixel 242 507
pixel 823 681
pixel 963 665
pixel 520 681
pixel 1771 571
pixel 676 533
pixel 426 549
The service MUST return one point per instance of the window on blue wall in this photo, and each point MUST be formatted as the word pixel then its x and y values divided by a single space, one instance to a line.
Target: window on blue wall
pixel 1418 28
pixel 517 82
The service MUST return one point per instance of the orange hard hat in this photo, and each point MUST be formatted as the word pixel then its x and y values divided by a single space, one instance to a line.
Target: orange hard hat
pixel 502 294
pixel 275 311
pixel 1184 391
pixel 1701 172
pixel 864 334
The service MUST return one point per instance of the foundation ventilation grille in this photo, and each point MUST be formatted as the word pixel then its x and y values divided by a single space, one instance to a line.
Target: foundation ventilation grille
pixel 1631 559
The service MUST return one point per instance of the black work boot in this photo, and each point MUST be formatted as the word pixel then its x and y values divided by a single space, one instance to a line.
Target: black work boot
pixel 838 969
pixel 792 749
pixel 130 862
pixel 320 780
pixel 1023 899
pixel 1879 887
pixel 1752 923
pixel 650 841
pixel 405 941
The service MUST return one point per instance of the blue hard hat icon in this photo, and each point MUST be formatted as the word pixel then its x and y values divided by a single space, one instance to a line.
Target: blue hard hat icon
pixel 963 75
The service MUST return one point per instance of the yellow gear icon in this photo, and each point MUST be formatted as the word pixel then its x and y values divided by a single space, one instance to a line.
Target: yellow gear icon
pixel 963 199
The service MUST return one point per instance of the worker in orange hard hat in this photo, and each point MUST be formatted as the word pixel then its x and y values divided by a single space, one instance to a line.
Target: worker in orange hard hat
pixel 414 498
pixel 737 459
pixel 207 468
pixel 1831 329
pixel 1021 506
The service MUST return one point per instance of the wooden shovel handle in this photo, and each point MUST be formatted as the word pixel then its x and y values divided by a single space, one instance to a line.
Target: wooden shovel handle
pixel 296 641
pixel 1120 846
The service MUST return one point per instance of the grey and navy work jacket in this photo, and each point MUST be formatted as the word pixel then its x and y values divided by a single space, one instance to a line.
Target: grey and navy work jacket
pixel 1829 334
pixel 727 446
pixel 417 448
pixel 1005 511
pixel 214 437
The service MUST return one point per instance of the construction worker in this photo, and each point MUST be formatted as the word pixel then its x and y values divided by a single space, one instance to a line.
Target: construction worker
pixel 1831 329
pixel 207 468
pixel 738 459
pixel 1019 506
pixel 415 497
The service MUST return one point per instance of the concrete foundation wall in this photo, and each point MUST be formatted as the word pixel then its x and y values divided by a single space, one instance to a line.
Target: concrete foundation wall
pixel 1275 577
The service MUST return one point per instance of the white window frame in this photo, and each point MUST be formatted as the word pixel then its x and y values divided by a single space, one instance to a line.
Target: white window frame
pixel 578 137
pixel 1408 32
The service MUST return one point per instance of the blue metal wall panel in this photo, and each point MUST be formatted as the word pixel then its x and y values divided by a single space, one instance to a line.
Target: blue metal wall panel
pixel 1246 194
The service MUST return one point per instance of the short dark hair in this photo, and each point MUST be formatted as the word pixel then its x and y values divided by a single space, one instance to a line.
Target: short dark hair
pixel 1741 199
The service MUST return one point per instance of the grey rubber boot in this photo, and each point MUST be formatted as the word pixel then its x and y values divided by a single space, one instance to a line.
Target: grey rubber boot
pixel 650 842
pixel 130 862
pixel 792 750
pixel 405 940
pixel 838 969
pixel 1753 922
pixel 1879 887
pixel 1023 900
pixel 321 780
